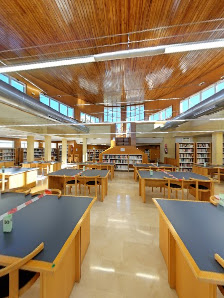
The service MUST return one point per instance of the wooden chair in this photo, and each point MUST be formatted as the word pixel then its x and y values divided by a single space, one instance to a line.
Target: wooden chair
pixel 74 182
pixel 173 186
pixel 91 181
pixel 44 191
pixel 199 187
pixel 14 281
pixel 23 189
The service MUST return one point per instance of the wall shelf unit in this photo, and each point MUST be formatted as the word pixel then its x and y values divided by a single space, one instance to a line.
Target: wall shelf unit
pixel 123 157
pixel 185 154
pixel 7 154
pixel 93 154
pixel 203 152
pixel 54 153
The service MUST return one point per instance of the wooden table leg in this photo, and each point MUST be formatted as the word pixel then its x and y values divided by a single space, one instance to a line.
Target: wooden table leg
pixel 139 182
pixel 143 190
pixel 171 261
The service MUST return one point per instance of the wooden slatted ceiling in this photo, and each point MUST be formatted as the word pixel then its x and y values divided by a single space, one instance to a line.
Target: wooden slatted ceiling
pixel 33 24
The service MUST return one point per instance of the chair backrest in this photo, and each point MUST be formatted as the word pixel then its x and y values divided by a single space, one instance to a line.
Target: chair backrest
pixel 13 270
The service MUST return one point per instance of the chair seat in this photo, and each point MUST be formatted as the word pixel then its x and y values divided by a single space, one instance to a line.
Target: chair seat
pixel 92 182
pixel 173 185
pixel 24 278
pixel 72 182
pixel 202 187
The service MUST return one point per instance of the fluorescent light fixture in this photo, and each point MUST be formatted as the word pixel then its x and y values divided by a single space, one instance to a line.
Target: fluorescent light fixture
pixel 217 119
pixel 148 276
pixel 185 47
pixel 98 268
pixel 47 64
pixel 142 52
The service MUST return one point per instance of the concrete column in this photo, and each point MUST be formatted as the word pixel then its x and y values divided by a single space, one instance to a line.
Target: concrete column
pixel 47 149
pixel 84 150
pixel 217 141
pixel 64 151
pixel 30 148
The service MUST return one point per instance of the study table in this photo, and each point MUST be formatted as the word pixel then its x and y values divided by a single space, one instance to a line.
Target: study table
pixel 210 170
pixel 62 224
pixel 59 178
pixel 98 165
pixel 152 166
pixel 50 166
pixel 19 177
pixel 190 233
pixel 184 179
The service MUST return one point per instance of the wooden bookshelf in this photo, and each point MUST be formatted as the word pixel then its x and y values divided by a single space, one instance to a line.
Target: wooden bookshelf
pixel 185 154
pixel 203 153
pixel 123 157
pixel 7 154
pixel 54 153
pixel 93 154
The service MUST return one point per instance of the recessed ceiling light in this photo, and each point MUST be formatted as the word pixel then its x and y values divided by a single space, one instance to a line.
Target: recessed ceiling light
pixel 202 83
pixel 58 95
pixel 222 78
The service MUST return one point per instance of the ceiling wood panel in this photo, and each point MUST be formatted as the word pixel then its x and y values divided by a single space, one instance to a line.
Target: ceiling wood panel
pixel 40 30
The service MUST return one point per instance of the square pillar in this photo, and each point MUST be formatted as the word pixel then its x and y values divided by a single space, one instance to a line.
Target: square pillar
pixel 64 151
pixel 217 141
pixel 30 148
pixel 47 150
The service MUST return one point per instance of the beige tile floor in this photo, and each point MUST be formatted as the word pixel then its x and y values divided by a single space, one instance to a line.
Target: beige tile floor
pixel 123 259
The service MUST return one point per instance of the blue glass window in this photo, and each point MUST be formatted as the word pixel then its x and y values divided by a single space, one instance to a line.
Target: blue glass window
pixel 219 86
pixel 17 85
pixel 163 115
pixel 169 112
pixel 184 106
pixel 70 112
pixel 208 92
pixel 156 116
pixel 54 104
pixel 82 117
pixel 4 78
pixel 44 99
pixel 63 109
pixel 194 100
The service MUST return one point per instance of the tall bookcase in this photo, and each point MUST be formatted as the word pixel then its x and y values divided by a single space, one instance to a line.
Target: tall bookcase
pixel 123 157
pixel 185 153
pixel 7 154
pixel 93 154
pixel 54 153
pixel 203 153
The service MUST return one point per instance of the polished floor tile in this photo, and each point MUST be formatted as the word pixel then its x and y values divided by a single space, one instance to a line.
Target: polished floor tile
pixel 123 259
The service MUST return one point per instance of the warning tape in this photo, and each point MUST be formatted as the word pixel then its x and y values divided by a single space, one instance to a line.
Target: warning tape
pixel 16 209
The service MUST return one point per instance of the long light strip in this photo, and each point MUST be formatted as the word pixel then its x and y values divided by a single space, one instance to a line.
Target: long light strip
pixel 47 64
pixel 142 52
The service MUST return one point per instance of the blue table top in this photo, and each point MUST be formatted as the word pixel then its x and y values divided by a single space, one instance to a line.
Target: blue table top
pixel 13 171
pixel 95 163
pixel 200 227
pixel 53 229
pixel 153 165
pixel 173 175
pixel 73 172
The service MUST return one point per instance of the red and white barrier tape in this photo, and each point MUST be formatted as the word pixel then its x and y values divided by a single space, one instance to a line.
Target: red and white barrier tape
pixel 16 209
